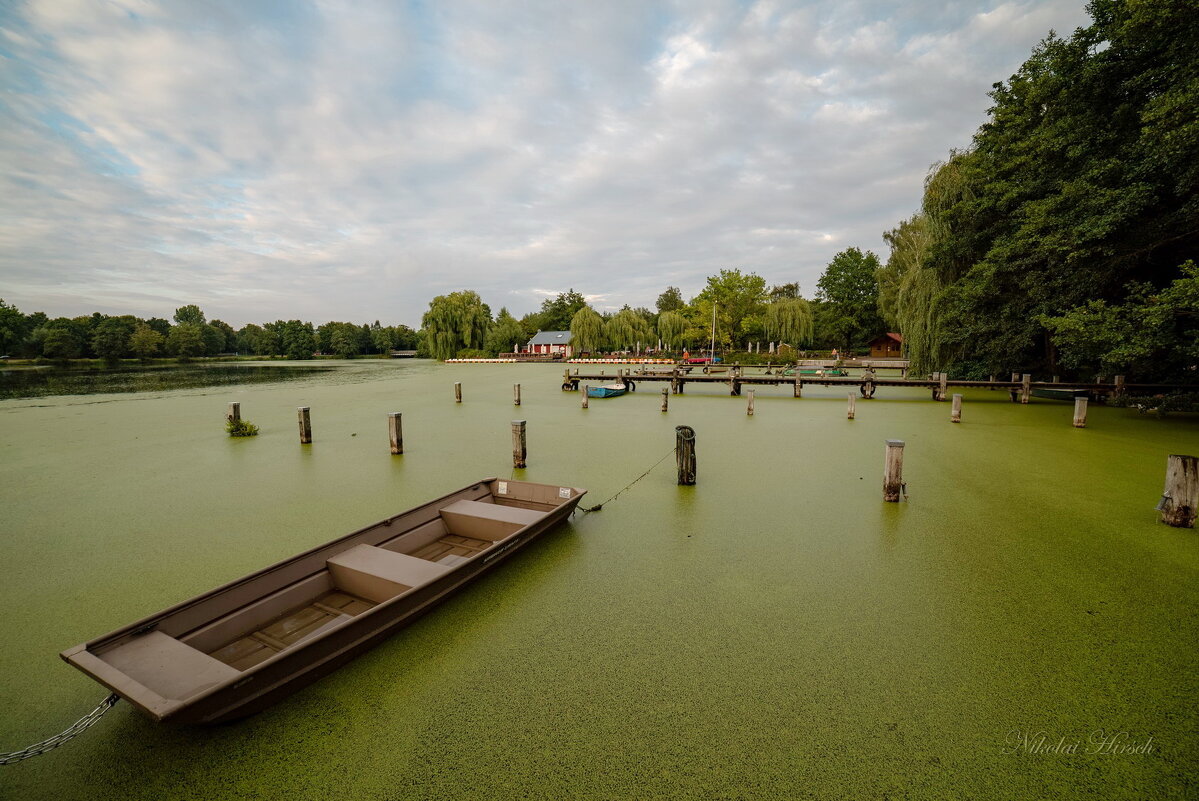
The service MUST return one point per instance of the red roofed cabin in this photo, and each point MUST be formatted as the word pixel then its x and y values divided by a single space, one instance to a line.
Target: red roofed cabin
pixel 555 344
pixel 886 346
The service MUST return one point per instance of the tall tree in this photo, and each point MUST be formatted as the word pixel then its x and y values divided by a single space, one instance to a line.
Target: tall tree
pixel 671 326
pixel 671 300
pixel 789 321
pixel 145 341
pixel 506 333
pixel 189 314
pixel 587 331
pixel 737 296
pixel 849 288
pixel 556 313
pixel 626 329
pixel 454 322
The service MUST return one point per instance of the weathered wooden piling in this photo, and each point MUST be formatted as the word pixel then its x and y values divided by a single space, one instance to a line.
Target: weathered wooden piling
pixel 992 380
pixel 585 396
pixel 893 471
pixel 853 401
pixel 1025 387
pixel 234 413
pixel 955 413
pixel 1080 412
pixel 665 399
pixel 798 383
pixel 516 394
pixel 684 453
pixel 1181 497
pixel 519 451
pixel 1119 385
pixel 1013 393
pixel 457 392
pixel 942 384
pixel 305 421
pixel 749 407
pixel 395 430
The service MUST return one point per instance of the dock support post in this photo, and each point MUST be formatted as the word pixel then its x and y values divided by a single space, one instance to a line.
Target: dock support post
pixel 853 400
pixel 1012 393
pixel 798 384
pixel 1119 385
pixel 1080 412
pixel 1025 387
pixel 942 381
pixel 665 399
pixel 234 413
pixel 519 451
pixel 1181 496
pixel 516 394
pixel 992 380
pixel 395 429
pixel 955 413
pixel 585 395
pixel 749 408
pixel 684 454
pixel 736 387
pixel 1057 379
pixel 893 471
pixel 457 392
pixel 305 421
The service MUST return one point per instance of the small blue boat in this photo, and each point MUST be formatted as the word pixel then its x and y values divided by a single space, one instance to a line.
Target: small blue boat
pixel 607 391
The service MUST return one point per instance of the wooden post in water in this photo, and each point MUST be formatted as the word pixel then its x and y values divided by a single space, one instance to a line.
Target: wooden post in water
pixel 305 425
pixel 1012 392
pixel 893 471
pixel 942 380
pixel 1119 385
pixel 684 453
pixel 798 383
pixel 992 380
pixel 853 401
pixel 516 394
pixel 1057 379
pixel 234 413
pixel 955 413
pixel 1181 496
pixel 395 430
pixel 749 408
pixel 665 398
pixel 1025 387
pixel 457 392
pixel 519 451
pixel 585 396
pixel 1080 412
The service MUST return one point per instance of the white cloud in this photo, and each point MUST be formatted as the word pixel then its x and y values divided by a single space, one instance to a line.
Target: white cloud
pixel 351 161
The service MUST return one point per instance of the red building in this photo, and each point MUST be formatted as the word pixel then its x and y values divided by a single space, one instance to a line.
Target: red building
pixel 886 346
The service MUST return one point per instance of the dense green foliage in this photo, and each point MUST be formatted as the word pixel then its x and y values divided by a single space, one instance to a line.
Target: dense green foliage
pixel 455 321
pixel 848 294
pixel 241 428
pixel 1074 208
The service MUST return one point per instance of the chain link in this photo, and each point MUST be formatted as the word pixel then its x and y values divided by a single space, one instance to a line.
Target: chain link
pixel 76 728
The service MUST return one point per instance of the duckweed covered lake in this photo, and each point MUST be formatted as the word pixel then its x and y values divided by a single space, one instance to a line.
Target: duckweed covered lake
pixel 776 631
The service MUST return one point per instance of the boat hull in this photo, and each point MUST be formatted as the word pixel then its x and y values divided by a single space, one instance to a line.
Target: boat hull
pixel 262 685
pixel 606 392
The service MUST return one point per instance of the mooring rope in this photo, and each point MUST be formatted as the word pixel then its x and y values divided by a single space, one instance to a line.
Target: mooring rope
pixel 76 728
pixel 599 506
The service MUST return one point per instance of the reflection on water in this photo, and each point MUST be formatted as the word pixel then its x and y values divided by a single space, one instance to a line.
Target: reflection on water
pixel 43 382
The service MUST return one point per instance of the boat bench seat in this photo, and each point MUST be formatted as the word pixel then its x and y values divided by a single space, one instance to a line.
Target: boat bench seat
pixel 168 667
pixel 486 521
pixel 378 574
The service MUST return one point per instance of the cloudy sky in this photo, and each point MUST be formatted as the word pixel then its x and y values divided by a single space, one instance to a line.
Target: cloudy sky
pixel 350 160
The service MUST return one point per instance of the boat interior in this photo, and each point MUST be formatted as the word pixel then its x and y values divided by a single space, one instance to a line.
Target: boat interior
pixel 217 636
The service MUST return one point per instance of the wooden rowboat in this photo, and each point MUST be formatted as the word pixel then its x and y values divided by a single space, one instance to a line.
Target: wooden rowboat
pixel 241 647
pixel 607 391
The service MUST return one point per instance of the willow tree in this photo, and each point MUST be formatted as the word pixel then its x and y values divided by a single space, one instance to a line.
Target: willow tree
pixel 456 321
pixel 671 326
pixel 789 321
pixel 626 329
pixel 586 331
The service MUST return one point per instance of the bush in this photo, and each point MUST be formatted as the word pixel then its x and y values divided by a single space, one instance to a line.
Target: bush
pixel 472 353
pixel 241 428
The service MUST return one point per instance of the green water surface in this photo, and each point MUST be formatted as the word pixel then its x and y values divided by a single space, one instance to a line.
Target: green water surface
pixel 775 632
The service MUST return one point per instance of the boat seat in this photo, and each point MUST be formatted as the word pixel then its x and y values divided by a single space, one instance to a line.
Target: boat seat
pixel 378 574
pixel 168 667
pixel 486 521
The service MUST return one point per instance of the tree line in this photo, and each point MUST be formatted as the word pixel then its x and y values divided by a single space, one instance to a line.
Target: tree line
pixel 1064 239
pixel 191 335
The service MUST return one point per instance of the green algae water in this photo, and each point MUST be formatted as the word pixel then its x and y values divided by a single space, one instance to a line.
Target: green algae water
pixel 775 631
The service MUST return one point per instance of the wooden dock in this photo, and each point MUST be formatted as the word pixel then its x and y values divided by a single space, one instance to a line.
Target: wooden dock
pixel 737 376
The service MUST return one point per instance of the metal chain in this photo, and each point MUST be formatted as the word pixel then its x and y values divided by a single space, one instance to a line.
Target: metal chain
pixel 599 506
pixel 76 728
